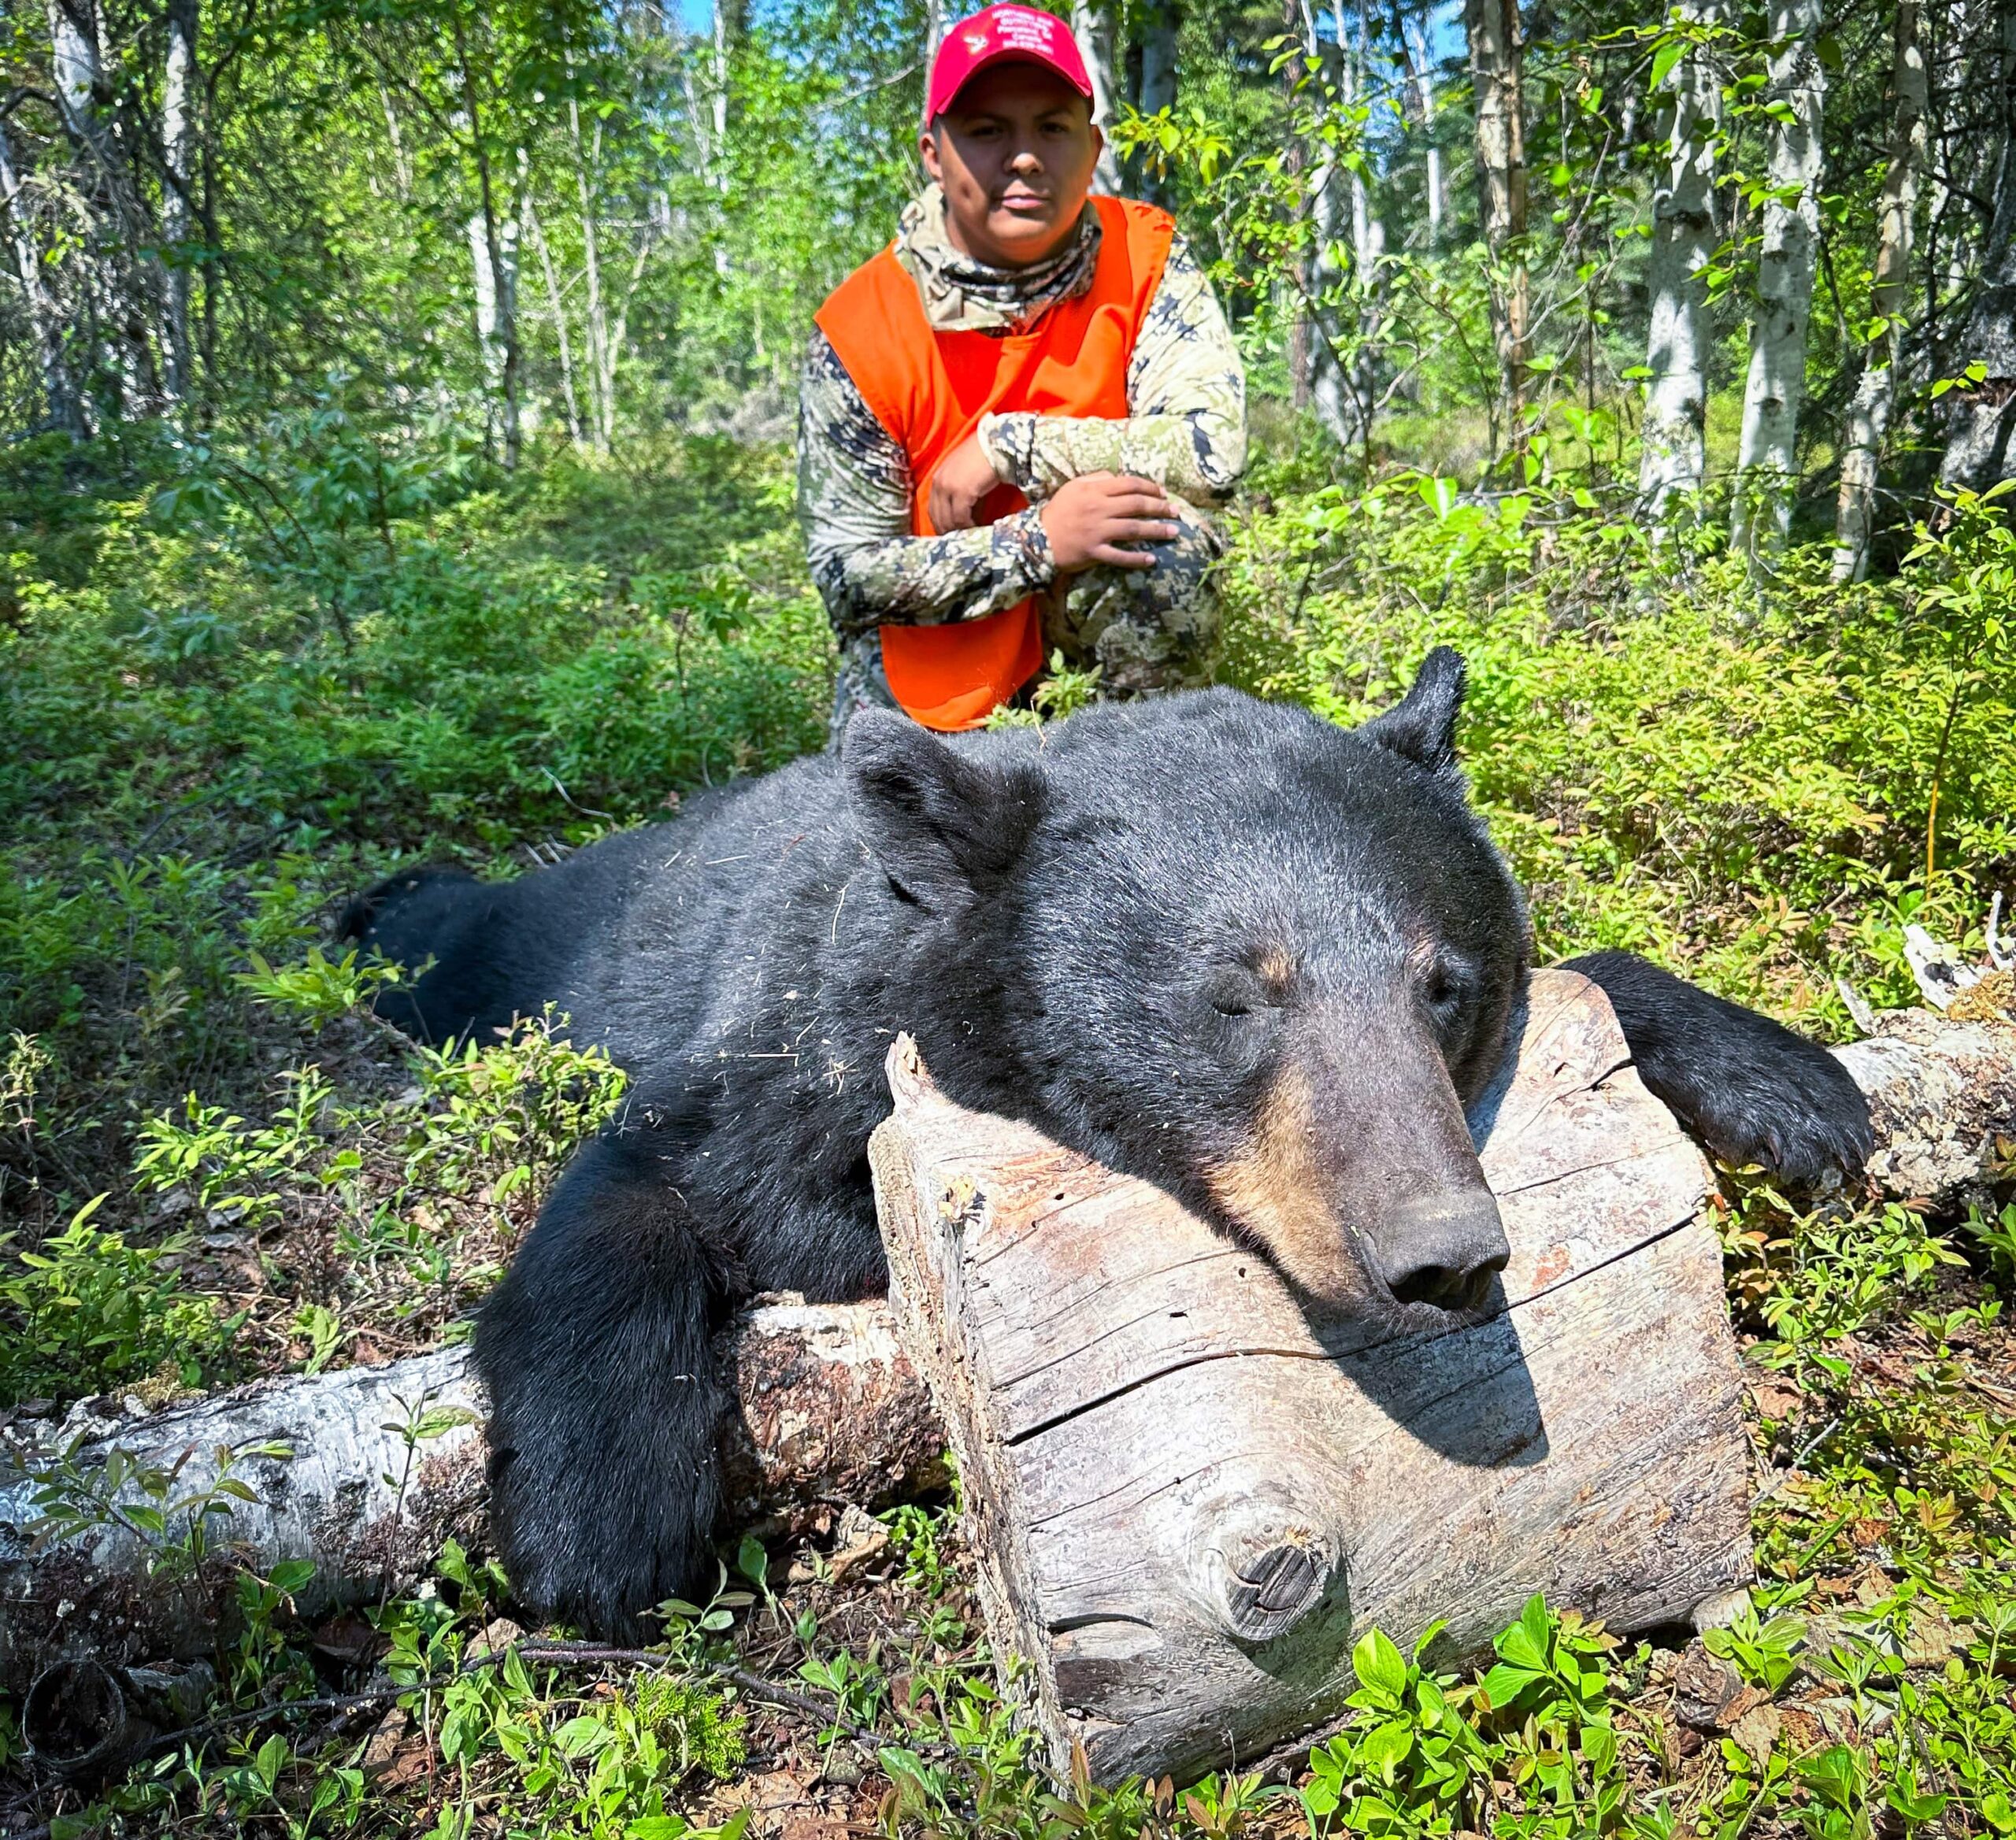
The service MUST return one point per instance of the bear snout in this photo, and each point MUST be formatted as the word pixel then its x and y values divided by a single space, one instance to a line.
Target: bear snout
pixel 1441 1246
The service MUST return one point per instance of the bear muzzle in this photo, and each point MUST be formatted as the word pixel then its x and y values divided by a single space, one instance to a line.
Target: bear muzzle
pixel 1441 1246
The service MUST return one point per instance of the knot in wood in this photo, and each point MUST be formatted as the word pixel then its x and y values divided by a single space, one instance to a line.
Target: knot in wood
pixel 1262 1568
pixel 1272 1592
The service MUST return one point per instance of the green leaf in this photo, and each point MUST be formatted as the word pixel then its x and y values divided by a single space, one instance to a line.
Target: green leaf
pixel 1517 1646
pixel 1663 61
pixel 581 1737
pixel 1378 1663
pixel 1505 1682
pixel 291 1575
pixel 271 1760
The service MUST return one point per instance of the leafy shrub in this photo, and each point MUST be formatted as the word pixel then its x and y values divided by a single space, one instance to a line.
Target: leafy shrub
pixel 90 1314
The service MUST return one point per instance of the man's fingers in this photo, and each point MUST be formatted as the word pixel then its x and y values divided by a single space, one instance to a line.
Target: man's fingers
pixel 1138 505
pixel 1140 530
pixel 1115 558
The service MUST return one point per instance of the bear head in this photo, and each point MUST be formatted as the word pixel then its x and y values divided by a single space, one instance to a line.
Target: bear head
pixel 1259 960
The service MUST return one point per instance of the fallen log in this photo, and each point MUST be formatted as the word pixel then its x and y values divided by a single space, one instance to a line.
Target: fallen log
pixel 1942 1093
pixel 1189 1500
pixel 366 1472
pixel 829 1412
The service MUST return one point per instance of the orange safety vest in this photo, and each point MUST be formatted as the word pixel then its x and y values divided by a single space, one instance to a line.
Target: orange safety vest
pixel 930 389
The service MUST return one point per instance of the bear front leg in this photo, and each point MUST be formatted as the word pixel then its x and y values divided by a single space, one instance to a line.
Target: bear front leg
pixel 595 1349
pixel 1751 1090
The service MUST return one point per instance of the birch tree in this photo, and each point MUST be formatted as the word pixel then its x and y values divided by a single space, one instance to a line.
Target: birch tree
pixel 1876 390
pixel 1093 27
pixel 1767 460
pixel 178 141
pixel 1978 447
pixel 493 249
pixel 1420 91
pixel 1672 463
pixel 1154 56
pixel 68 408
pixel 1497 57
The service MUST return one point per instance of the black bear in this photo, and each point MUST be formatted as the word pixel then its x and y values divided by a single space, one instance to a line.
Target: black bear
pixel 1220 944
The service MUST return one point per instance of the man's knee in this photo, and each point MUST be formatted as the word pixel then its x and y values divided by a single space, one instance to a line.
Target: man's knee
pixel 1148 629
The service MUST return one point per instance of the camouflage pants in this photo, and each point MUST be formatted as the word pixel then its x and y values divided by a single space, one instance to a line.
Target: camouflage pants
pixel 1146 630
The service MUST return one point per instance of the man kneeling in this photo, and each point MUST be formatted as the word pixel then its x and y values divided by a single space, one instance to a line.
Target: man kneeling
pixel 1012 421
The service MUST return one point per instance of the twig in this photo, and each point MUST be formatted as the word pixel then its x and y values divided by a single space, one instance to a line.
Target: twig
pixel 1791 1469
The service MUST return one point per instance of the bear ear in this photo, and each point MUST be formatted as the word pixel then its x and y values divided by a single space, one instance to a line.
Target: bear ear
pixel 943 828
pixel 1421 726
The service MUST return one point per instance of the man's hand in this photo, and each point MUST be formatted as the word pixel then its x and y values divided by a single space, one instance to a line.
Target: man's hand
pixel 963 480
pixel 1089 517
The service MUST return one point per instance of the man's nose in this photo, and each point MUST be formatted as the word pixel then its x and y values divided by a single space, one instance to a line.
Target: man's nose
pixel 1026 159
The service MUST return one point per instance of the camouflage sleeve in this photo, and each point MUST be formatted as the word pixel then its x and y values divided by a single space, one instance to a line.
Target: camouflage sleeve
pixel 854 501
pixel 1186 388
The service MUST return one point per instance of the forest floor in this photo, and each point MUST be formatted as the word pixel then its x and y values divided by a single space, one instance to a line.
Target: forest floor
pixel 214 730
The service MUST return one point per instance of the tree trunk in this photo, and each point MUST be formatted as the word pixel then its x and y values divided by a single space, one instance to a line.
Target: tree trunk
pixel 178 140
pixel 1497 59
pixel 1876 391
pixel 1421 87
pixel 1673 457
pixel 1160 24
pixel 493 245
pixel 557 305
pixel 1767 460
pixel 1978 447
pixel 1093 27
pixel 69 408
pixel 387 1462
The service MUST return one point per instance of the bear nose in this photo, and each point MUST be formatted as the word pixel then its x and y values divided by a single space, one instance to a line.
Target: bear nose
pixel 1442 1248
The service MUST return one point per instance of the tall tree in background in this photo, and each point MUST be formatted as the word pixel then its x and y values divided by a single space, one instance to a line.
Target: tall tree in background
pixel 1767 457
pixel 1152 64
pixel 1876 390
pixel 1413 37
pixel 1673 459
pixel 178 141
pixel 1497 59
pixel 65 403
pixel 1095 31
pixel 1978 450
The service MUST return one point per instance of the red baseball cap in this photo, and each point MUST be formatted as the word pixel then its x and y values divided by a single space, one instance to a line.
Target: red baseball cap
pixel 1003 34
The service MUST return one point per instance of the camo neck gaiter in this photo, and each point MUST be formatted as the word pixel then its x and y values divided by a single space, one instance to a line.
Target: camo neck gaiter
pixel 962 295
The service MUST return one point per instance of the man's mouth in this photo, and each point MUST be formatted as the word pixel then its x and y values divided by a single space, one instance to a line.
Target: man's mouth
pixel 1027 202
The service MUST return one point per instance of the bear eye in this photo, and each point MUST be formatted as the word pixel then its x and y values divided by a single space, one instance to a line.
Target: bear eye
pixel 1236 993
pixel 1442 986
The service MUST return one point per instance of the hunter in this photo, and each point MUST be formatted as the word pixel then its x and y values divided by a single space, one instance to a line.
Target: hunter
pixel 1013 421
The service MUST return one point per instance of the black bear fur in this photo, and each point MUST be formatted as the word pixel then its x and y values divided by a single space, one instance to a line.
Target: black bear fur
pixel 1258 959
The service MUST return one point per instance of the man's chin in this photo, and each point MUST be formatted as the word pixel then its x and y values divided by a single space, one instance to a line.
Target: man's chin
pixel 1025 238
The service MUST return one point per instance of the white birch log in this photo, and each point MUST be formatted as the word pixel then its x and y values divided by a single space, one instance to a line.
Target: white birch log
pixel 1767 457
pixel 1673 456
pixel 386 1463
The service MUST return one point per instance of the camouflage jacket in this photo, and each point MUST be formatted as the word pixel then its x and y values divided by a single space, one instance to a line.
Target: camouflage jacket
pixel 1185 389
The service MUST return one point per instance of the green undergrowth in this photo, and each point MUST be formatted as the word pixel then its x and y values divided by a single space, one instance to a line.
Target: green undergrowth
pixel 215 1165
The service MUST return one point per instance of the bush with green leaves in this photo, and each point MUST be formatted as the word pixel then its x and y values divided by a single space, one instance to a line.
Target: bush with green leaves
pixel 88 1312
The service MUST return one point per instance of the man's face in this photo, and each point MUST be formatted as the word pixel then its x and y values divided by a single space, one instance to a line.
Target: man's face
pixel 1015 152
